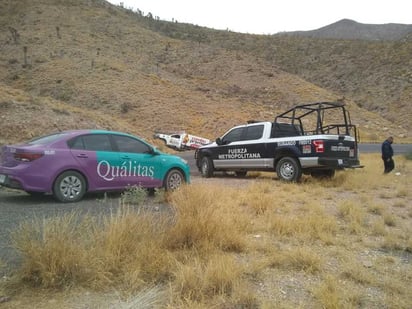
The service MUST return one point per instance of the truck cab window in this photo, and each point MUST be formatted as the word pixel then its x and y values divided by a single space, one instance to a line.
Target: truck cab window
pixel 253 132
pixel 233 136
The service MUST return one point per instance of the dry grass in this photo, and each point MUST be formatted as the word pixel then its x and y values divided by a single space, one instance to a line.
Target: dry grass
pixel 259 243
pixel 204 220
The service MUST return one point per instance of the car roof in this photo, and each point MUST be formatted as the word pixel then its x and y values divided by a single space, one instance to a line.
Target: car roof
pixel 94 131
pixel 68 134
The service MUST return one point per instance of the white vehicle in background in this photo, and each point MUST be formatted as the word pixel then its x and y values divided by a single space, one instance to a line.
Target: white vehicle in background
pixel 182 140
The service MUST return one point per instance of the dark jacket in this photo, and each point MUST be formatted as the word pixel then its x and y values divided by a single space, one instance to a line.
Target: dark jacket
pixel 387 150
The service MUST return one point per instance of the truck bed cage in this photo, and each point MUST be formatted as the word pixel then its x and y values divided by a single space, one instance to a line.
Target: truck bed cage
pixel 295 115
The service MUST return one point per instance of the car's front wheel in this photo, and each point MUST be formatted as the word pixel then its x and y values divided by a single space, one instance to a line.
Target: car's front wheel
pixel 70 186
pixel 174 179
pixel 288 169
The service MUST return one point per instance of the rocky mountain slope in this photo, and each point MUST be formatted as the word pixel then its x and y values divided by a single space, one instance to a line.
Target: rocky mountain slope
pixel 377 74
pixel 89 64
pixel 347 29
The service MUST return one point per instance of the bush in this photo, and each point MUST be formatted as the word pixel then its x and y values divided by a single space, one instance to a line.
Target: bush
pixel 134 195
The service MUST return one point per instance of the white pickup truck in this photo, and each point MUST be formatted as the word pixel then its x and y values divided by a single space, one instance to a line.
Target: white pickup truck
pixel 182 140
pixel 304 140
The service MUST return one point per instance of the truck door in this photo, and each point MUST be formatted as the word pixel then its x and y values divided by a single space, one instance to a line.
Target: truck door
pixel 176 141
pixel 241 147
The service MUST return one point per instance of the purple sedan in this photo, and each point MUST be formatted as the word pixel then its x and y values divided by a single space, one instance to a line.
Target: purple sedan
pixel 68 164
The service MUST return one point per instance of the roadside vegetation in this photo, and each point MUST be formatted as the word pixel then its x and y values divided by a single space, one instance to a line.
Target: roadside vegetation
pixel 229 243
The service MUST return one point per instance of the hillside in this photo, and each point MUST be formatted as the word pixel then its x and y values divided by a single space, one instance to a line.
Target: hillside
pixel 347 29
pixel 88 64
pixel 377 75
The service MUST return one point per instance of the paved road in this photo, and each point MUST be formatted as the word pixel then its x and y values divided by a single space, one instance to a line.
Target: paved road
pixel 189 156
pixel 397 148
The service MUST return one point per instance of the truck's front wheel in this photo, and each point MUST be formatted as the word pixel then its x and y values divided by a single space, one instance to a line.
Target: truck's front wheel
pixel 288 169
pixel 206 167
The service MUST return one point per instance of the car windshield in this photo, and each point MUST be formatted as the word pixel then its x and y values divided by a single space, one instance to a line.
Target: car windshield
pixel 46 139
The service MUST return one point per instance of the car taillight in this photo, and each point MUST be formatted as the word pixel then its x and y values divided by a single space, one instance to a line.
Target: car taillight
pixel 319 146
pixel 27 157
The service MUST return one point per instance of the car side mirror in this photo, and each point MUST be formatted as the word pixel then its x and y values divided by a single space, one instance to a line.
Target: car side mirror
pixel 219 141
pixel 154 151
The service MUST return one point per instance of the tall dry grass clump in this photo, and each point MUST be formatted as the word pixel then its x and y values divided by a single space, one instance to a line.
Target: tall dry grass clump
pixel 354 214
pixel 55 251
pixel 259 198
pixel 124 248
pixel 130 243
pixel 330 294
pixel 206 217
pixel 301 258
pixel 199 279
pixel 304 226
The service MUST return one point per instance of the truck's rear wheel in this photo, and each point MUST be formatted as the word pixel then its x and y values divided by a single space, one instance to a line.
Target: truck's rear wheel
pixel 206 167
pixel 288 169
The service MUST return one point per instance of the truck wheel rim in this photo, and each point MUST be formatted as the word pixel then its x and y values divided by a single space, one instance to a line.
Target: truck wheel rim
pixel 205 168
pixel 70 187
pixel 287 171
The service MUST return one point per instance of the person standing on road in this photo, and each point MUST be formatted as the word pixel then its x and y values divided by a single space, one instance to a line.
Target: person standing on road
pixel 387 154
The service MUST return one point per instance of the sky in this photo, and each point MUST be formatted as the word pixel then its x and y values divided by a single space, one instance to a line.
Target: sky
pixel 273 16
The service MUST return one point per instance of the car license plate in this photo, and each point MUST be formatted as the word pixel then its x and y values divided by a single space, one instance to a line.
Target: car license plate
pixel 2 178
pixel 340 161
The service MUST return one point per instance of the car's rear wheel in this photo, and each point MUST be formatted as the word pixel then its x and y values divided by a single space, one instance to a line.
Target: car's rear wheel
pixel 69 186
pixel 288 169
pixel 174 179
pixel 206 167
